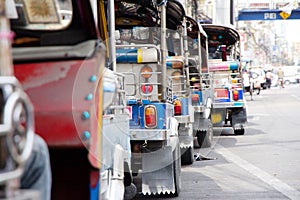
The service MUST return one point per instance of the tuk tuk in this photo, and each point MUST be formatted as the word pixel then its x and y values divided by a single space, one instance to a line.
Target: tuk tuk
pixel 141 56
pixel 59 59
pixel 200 83
pixel 229 106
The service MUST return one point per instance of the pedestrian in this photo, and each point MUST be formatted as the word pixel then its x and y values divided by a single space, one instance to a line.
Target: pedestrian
pixel 248 83
pixel 269 79
pixel 280 74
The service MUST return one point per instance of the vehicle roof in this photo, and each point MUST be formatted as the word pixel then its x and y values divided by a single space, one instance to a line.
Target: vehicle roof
pixel 229 34
pixel 195 28
pixel 131 13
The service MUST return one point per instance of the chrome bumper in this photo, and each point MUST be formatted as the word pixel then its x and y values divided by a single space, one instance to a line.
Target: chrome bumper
pixel 199 109
pixel 183 119
pixel 144 134
pixel 229 104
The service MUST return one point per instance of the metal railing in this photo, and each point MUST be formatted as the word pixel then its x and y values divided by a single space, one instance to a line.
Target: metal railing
pixel 119 103
pixel 178 87
pixel 229 80
pixel 17 111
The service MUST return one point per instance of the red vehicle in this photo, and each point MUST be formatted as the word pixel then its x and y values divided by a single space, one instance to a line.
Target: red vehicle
pixel 58 58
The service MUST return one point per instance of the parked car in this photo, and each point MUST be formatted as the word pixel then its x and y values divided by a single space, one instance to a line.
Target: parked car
pixel 259 78
pixel 290 79
pixel 298 75
pixel 291 75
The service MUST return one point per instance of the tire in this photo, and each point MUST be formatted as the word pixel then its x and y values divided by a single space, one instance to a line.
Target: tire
pixel 264 86
pixel 239 131
pixel 287 82
pixel 177 173
pixel 205 137
pixel 258 91
pixel 187 156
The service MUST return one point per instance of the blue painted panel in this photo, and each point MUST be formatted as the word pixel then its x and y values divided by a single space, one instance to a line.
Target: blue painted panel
pixel 94 191
pixel 184 106
pixel 245 15
pixel 222 100
pixel 200 96
pixel 240 93
pixel 126 55
pixel 161 115
pixel 131 101
pixel 134 122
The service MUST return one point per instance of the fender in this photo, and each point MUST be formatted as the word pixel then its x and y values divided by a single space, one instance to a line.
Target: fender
pixel 112 179
pixel 173 126
pixel 173 140
pixel 208 108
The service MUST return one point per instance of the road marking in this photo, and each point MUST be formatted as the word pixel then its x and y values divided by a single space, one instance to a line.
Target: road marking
pixel 296 97
pixel 277 184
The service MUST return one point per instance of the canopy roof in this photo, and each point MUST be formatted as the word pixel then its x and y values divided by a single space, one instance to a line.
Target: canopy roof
pixel 131 13
pixel 223 34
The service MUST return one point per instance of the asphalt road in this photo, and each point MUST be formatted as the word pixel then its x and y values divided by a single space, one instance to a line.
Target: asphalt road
pixel 262 164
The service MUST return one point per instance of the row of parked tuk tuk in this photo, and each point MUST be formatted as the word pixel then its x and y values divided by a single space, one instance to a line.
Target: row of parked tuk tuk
pixel 122 92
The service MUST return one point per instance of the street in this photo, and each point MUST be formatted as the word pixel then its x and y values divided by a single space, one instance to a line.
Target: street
pixel 262 164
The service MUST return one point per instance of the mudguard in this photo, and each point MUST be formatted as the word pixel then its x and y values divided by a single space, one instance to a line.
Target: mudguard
pixel 112 186
pixel 186 135
pixel 158 176
pixel 115 131
pixel 202 118
pixel 239 117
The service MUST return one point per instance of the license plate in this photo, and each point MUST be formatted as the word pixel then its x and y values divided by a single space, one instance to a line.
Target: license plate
pixel 221 93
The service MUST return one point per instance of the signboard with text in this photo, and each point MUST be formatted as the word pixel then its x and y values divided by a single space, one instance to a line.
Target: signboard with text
pixel 245 15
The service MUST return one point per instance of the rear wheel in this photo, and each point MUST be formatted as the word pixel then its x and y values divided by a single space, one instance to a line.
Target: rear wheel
pixel 205 137
pixel 187 156
pixel 287 82
pixel 239 131
pixel 177 172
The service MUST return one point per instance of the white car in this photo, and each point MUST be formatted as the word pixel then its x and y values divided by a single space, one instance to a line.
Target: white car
pixel 259 77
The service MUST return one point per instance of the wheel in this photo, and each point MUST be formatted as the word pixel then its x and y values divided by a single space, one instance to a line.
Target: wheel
pixel 239 131
pixel 187 156
pixel 258 91
pixel 265 86
pixel 205 137
pixel 287 82
pixel 130 192
pixel 177 173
